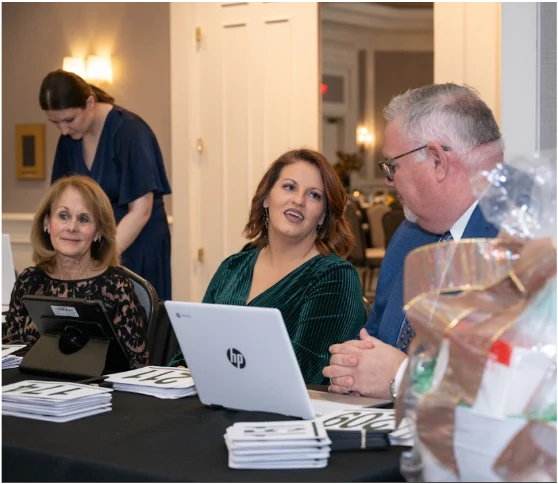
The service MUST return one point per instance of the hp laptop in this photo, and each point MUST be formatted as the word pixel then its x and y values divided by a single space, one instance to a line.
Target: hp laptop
pixel 240 357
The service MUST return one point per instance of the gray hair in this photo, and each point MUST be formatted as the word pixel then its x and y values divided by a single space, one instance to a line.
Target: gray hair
pixel 452 115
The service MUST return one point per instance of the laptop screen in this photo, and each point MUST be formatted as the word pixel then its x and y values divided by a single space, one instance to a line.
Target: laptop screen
pixel 240 357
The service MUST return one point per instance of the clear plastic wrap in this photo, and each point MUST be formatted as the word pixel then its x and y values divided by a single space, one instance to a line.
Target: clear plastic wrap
pixel 481 381
pixel 520 197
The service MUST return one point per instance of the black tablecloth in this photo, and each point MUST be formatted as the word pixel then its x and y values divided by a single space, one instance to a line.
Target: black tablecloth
pixel 149 439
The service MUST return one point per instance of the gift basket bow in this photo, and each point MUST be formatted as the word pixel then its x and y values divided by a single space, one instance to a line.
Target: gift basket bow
pixel 480 387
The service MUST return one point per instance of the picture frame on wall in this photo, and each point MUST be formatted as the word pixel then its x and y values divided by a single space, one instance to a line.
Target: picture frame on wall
pixel 30 151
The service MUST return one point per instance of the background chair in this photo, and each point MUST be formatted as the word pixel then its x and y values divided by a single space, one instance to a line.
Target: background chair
pixel 363 257
pixel 165 343
pixel 375 215
pixel 391 220
pixel 149 299
pixel 357 256
pixel 364 222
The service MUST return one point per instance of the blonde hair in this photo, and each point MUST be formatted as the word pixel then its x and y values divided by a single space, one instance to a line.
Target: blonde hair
pixel 103 253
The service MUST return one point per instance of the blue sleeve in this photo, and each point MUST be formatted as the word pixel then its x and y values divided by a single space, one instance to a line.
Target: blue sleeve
pixel 141 162
pixel 375 316
pixel 389 289
pixel 386 316
pixel 59 168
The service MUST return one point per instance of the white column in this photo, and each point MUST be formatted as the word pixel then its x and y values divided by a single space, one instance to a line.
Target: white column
pixel 496 48
pixel 520 77
pixel 467 48
pixel 184 128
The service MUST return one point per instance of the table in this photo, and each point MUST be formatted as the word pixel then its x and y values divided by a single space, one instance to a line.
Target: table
pixel 146 439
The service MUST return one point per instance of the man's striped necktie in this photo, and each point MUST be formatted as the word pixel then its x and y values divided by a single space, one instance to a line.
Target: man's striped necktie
pixel 407 334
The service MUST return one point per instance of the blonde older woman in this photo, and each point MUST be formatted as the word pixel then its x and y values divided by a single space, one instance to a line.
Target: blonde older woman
pixel 76 256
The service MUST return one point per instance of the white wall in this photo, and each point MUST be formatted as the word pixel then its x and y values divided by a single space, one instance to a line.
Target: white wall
pixel 494 47
pixel 35 39
pixel 467 48
pixel 519 86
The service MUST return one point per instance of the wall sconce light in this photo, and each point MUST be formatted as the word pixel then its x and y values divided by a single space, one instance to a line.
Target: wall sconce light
pixel 75 65
pixel 95 69
pixel 99 69
pixel 364 138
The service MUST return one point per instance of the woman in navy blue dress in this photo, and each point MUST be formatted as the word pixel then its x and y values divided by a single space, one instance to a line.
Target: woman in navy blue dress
pixel 119 150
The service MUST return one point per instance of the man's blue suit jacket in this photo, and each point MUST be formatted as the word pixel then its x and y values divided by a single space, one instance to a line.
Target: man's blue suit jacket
pixel 386 316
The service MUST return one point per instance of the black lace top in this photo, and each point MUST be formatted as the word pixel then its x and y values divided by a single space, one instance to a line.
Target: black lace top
pixel 112 287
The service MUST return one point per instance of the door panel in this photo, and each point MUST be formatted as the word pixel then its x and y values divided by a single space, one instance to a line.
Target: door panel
pixel 256 69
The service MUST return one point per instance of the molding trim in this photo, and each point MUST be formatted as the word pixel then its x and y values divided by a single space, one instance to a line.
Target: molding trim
pixel 17 217
pixel 18 226
pixel 377 16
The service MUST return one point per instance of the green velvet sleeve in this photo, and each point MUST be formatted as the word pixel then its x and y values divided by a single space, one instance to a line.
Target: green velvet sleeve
pixel 333 312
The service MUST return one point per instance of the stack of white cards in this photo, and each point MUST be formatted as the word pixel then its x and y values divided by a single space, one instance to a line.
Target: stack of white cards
pixel 156 381
pixel 8 359
pixel 54 401
pixel 365 428
pixel 277 445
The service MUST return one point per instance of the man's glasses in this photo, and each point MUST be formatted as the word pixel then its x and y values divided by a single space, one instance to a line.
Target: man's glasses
pixel 389 169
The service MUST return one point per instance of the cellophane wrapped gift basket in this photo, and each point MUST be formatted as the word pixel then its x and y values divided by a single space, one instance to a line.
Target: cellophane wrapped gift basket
pixel 480 387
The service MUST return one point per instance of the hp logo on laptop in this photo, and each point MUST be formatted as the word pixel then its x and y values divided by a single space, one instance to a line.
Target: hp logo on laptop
pixel 236 358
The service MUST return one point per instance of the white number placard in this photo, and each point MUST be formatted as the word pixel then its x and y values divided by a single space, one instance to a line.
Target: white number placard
pixel 368 419
pixel 50 390
pixel 9 349
pixel 155 376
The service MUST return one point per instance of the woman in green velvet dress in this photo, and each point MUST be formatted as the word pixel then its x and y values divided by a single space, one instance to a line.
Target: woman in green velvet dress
pixel 300 235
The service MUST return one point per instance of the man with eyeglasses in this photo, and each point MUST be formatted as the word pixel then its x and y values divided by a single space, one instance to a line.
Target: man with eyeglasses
pixel 436 138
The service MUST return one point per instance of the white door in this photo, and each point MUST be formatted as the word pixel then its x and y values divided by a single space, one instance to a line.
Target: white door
pixel 250 87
